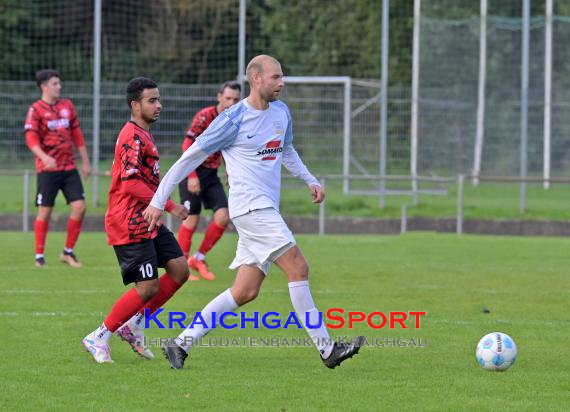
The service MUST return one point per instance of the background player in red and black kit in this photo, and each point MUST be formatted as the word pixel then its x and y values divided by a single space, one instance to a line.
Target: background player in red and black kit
pixel 134 178
pixel 52 129
pixel 203 186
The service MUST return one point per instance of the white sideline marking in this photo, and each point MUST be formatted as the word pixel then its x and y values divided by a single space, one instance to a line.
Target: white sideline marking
pixel 503 321
pixel 51 314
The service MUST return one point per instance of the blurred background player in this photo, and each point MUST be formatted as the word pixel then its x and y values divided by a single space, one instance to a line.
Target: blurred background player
pixel 52 129
pixel 140 251
pixel 203 186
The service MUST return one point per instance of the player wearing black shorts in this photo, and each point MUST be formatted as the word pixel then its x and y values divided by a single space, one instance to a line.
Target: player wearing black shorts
pixel 212 194
pixel 52 130
pixel 140 261
pixel 203 187
pixel 134 178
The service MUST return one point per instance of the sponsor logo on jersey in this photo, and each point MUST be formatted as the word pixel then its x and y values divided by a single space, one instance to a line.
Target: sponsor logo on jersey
pixel 58 124
pixel 271 149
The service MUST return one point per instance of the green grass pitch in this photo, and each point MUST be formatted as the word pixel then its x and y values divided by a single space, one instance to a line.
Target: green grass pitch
pixel 524 283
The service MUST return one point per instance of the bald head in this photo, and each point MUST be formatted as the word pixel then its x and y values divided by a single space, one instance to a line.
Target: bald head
pixel 259 65
pixel 265 80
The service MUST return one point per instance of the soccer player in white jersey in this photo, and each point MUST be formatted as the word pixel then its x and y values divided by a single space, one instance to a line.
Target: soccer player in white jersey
pixel 255 137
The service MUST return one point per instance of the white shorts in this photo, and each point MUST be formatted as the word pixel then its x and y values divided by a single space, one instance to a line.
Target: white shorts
pixel 263 238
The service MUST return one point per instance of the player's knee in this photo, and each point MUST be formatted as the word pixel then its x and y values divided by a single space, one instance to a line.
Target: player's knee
pixel 180 272
pixel 223 222
pixel 301 269
pixel 44 213
pixel 79 209
pixel 191 222
pixel 147 290
pixel 243 296
pixel 222 217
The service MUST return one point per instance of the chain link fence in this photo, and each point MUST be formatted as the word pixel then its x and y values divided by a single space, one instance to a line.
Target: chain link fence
pixel 190 47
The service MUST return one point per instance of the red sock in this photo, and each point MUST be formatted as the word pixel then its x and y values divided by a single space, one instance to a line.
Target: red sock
pixel 40 229
pixel 167 287
pixel 185 239
pixel 73 230
pixel 123 309
pixel 211 237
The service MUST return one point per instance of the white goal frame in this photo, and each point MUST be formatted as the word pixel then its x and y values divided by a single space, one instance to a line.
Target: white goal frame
pixel 346 118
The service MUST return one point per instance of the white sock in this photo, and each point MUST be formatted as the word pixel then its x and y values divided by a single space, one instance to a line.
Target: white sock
pixel 199 256
pixel 103 333
pixel 224 302
pixel 303 302
pixel 67 250
pixel 137 320
pixel 39 255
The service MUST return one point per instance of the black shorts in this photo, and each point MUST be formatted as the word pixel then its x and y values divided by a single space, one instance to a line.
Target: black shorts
pixel 212 193
pixel 49 183
pixel 140 261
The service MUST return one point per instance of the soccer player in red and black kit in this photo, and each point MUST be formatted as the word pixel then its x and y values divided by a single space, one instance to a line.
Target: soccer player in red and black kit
pixel 134 178
pixel 203 186
pixel 52 129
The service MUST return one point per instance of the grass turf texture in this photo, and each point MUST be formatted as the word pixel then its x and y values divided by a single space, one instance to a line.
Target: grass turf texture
pixel 523 281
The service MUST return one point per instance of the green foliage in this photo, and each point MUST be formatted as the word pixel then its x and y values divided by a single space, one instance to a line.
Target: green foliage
pixel 339 38
pixel 175 40
pixel 39 35
pixel 184 41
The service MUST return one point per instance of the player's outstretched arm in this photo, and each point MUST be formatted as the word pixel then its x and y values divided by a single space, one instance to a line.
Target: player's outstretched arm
pixel 190 160
pixel 221 133
pixel 218 135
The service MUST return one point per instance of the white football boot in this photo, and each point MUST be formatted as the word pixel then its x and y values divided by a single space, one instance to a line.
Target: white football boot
pixel 97 347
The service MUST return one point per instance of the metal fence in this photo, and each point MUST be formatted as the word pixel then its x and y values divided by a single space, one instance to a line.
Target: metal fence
pixel 462 110
pixel 454 187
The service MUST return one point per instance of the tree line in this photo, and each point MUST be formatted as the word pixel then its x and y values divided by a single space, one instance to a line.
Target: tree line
pixel 181 41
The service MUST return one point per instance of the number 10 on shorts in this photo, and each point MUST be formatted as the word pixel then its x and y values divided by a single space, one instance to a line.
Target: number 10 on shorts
pixel 146 271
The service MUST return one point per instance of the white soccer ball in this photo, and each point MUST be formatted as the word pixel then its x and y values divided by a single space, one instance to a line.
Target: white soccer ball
pixel 496 351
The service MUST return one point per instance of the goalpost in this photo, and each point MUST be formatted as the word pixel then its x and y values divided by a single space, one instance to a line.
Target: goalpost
pixel 345 82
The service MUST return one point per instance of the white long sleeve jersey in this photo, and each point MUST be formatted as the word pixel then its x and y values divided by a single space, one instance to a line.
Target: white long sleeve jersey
pixel 254 143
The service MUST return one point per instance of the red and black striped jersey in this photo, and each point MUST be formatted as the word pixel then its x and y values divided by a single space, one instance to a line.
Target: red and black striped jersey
pixel 55 127
pixel 135 175
pixel 200 122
